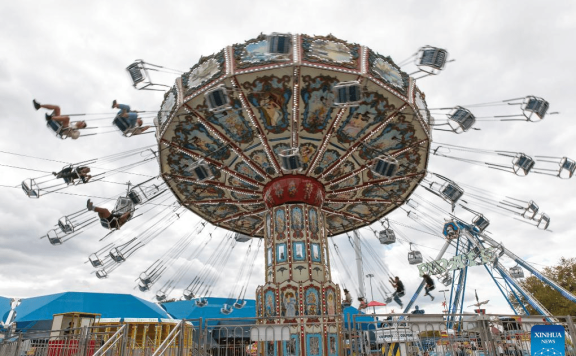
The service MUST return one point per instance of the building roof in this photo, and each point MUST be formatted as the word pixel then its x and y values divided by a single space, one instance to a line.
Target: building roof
pixel 107 304
pixel 187 309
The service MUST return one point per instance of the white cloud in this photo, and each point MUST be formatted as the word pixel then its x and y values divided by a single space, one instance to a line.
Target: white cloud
pixel 74 54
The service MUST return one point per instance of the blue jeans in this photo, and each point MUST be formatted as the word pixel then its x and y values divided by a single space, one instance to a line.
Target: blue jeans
pixel 397 296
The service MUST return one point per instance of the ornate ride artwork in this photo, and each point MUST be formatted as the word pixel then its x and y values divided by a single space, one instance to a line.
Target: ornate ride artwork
pixel 204 71
pixel 271 103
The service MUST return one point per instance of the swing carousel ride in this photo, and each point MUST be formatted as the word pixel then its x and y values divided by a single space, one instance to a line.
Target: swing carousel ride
pixel 293 139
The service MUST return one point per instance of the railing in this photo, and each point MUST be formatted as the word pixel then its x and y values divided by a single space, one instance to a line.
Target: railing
pixel 361 334
pixel 116 343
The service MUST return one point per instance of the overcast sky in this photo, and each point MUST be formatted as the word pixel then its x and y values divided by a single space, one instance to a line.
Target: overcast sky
pixel 74 54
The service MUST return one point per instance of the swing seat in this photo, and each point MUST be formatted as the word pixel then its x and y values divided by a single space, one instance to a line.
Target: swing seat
pixel 385 166
pixel 201 171
pixel 57 128
pixel 290 159
pixel 536 106
pixel 53 238
pixel 116 255
pixel 451 192
pixel 65 225
pixel 433 57
pixel 347 94
pixel 279 43
pixel 217 99
pixel 567 168
pixel 124 126
pixel 136 73
pixel 31 188
pixel 144 287
pixel 145 278
pixel 135 197
pixel 239 305
pixel 110 224
pixel 531 210
pixel 522 164
pixel 463 118
pixel 101 274
pixel 123 205
pixel 94 260
pixel 188 295
pixel 202 302
pixel 226 309
pixel 481 222
pixel 241 237
pixel 543 222
pixel 160 296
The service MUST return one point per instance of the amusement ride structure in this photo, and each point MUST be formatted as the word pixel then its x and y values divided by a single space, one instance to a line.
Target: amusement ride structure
pixel 294 139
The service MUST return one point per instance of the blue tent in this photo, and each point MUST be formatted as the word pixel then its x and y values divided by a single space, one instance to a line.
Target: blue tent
pixel 4 308
pixel 32 310
pixel 364 321
pixel 187 309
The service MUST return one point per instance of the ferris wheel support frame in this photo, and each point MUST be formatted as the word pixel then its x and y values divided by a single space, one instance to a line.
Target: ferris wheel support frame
pixel 504 293
pixel 506 276
pixel 457 296
pixel 566 294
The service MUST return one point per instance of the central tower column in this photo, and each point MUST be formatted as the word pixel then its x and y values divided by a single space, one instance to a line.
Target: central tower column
pixel 299 288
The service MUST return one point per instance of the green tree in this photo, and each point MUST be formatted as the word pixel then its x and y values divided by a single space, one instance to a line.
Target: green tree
pixel 565 275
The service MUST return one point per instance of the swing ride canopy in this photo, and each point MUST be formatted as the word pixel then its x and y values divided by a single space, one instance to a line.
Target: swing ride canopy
pixel 266 101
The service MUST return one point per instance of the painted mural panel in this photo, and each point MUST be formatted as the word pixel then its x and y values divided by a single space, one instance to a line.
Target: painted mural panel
pixel 220 211
pixel 330 156
pixel 270 303
pixel 195 137
pixel 373 110
pixel 255 53
pixel 204 72
pixel 329 49
pixel 312 301
pixel 332 344
pixel 318 99
pixel 289 296
pixel 395 136
pixel 383 68
pixel 233 123
pixel 259 157
pixel 297 218
pixel 198 192
pixel 292 346
pixel 314 344
pixel 271 97
pixel 298 251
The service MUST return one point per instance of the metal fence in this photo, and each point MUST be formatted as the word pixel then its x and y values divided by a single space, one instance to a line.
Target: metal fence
pixel 384 334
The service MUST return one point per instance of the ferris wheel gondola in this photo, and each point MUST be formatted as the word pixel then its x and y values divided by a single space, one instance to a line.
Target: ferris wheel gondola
pixel 414 256
pixel 387 235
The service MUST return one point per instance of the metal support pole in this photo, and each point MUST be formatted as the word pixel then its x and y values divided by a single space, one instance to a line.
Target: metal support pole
pixel 566 294
pixel 124 340
pixel 415 296
pixel 358 251
pixel 180 349
pixel 18 344
pixel 370 275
